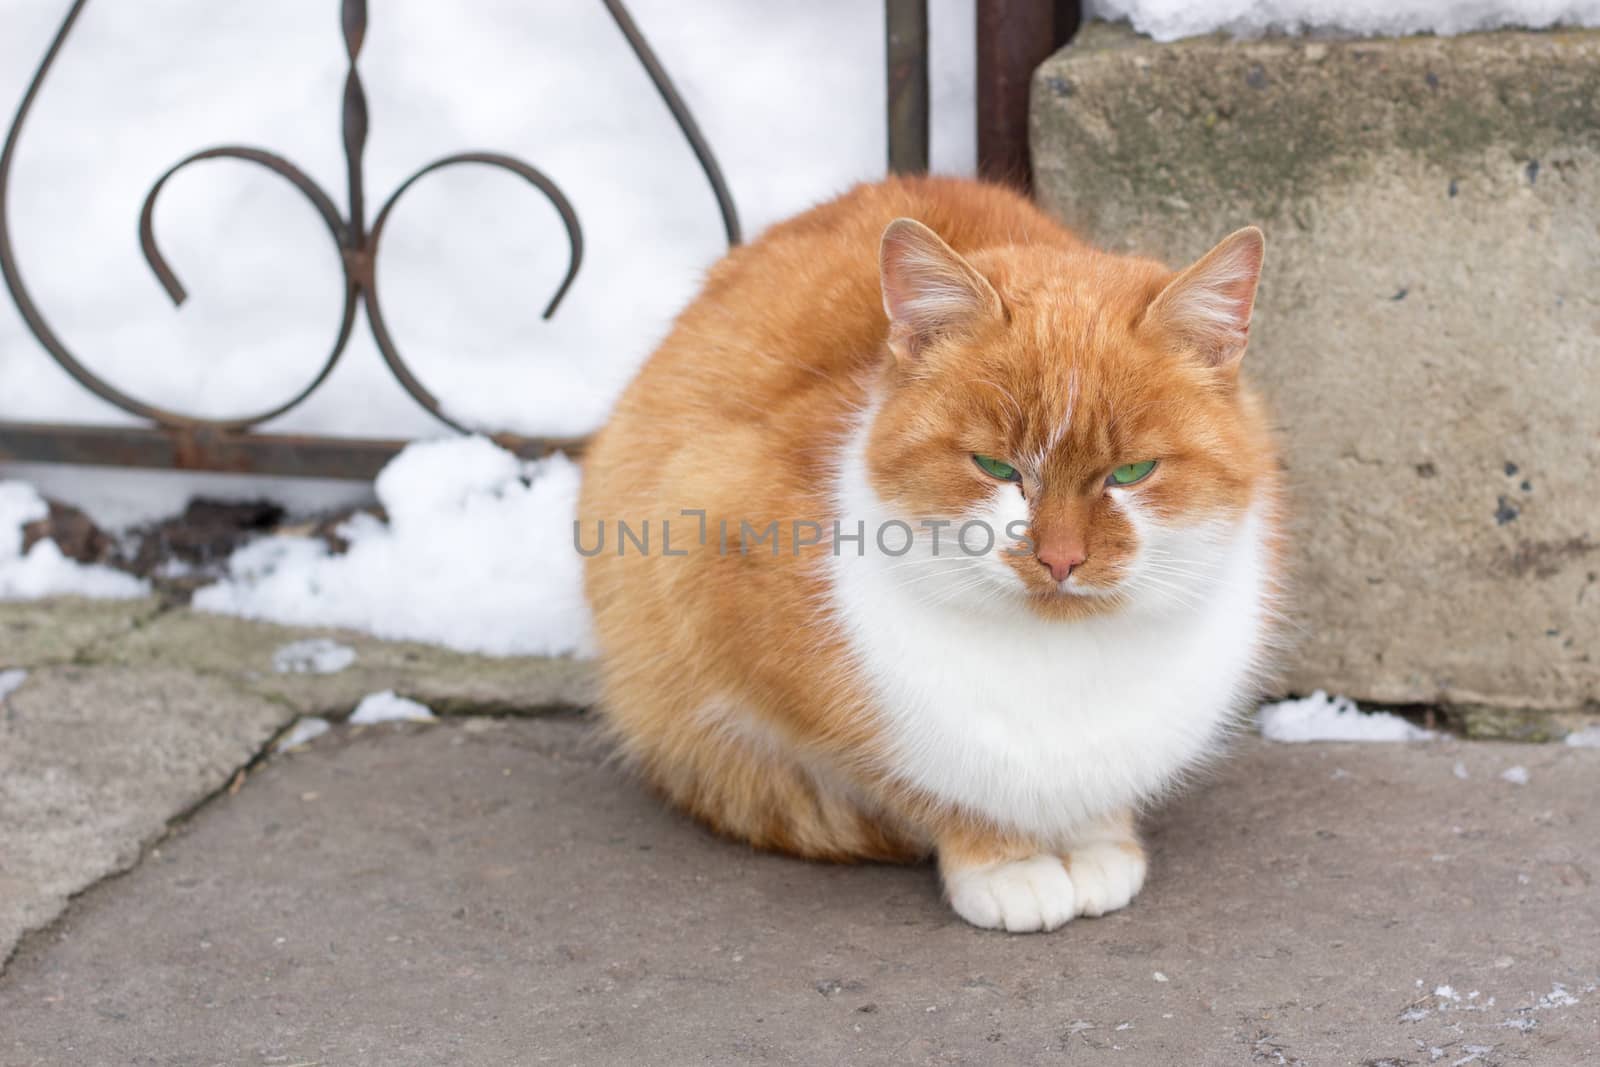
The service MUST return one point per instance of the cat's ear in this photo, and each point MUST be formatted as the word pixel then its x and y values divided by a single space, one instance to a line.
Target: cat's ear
pixel 1208 306
pixel 929 291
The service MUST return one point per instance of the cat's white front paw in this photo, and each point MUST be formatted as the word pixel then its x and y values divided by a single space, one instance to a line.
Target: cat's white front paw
pixel 1106 875
pixel 1020 896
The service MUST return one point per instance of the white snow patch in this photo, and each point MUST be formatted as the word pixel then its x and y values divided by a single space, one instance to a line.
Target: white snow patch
pixel 1588 737
pixel 1445 992
pixel 1158 976
pixel 306 729
pixel 1558 997
pixel 10 682
pixel 387 707
pixel 1517 775
pixel 175 568
pixel 1460 771
pixel 44 571
pixel 1168 20
pixel 477 555
pixel 1320 717
pixel 314 655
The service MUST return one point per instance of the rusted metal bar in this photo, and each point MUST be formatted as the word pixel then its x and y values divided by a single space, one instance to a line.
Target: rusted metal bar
pixel 680 114
pixel 353 121
pixel 906 22
pixel 1014 37
pixel 226 451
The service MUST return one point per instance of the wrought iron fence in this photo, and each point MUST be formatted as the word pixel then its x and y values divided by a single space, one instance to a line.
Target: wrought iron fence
pixel 1010 43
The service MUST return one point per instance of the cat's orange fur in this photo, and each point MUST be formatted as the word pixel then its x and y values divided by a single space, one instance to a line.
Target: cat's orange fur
pixel 726 681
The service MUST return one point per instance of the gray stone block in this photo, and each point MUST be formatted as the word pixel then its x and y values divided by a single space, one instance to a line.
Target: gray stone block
pixel 1427 327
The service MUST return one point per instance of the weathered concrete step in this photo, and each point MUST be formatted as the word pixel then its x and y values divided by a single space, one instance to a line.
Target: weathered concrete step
pixel 141 633
pixel 449 682
pixel 1426 331
pixel 35 633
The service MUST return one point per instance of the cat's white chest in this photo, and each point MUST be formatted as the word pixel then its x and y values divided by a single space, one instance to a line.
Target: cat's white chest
pixel 1044 725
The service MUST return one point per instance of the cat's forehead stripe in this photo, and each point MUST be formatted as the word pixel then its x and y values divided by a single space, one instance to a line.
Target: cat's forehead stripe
pixel 1065 422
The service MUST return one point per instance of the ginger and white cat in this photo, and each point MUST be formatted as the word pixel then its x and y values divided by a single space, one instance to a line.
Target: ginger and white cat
pixel 932 530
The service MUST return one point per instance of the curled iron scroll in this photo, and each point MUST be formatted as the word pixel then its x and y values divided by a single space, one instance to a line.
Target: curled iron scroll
pixel 358 246
pixel 380 328
pixel 169 280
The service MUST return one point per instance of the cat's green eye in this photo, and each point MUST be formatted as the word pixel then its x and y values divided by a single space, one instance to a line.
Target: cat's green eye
pixel 996 468
pixel 1129 473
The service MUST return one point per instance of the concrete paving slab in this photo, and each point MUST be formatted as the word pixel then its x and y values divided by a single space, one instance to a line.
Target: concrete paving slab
pixel 35 633
pixel 94 763
pixel 449 682
pixel 490 891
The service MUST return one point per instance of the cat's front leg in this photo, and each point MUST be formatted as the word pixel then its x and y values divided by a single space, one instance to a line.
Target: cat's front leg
pixel 1003 883
pixel 1107 865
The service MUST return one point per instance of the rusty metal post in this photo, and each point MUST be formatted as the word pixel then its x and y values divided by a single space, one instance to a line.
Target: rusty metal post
pixel 907 26
pixel 1014 37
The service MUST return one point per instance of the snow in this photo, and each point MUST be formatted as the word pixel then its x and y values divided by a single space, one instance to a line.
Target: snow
pixel 790 97
pixel 1558 997
pixel 387 707
pixel 1168 20
pixel 44 571
pixel 1320 717
pixel 305 730
pixel 1588 737
pixel 1517 775
pixel 10 682
pixel 477 555
pixel 316 655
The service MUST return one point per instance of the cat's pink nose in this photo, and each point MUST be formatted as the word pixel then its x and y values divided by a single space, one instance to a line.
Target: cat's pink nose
pixel 1060 559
